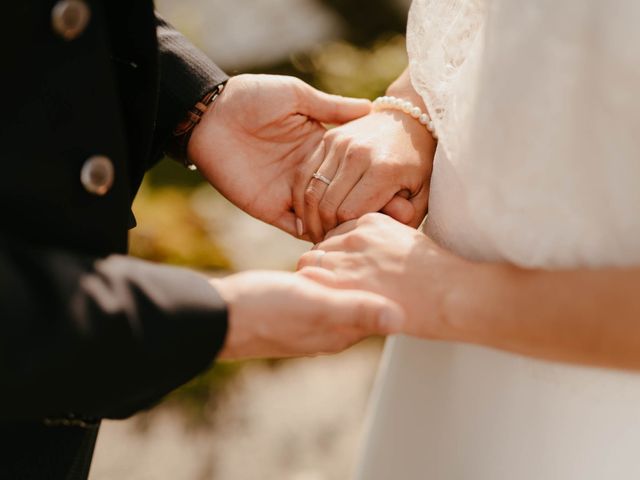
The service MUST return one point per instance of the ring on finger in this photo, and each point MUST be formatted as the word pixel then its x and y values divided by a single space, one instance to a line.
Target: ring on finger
pixel 322 178
pixel 319 256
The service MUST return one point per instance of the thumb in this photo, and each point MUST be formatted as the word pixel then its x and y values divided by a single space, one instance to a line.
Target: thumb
pixel 369 313
pixel 332 109
pixel 400 209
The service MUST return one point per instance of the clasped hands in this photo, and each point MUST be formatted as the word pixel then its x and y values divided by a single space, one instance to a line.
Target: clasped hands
pixel 260 145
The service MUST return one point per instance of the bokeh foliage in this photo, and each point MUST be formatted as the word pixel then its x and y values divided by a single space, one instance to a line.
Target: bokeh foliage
pixel 172 231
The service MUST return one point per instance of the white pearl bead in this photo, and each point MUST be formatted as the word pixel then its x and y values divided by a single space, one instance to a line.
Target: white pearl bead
pixel 407 107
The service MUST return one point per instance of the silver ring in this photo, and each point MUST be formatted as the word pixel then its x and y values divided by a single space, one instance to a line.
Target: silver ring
pixel 321 254
pixel 322 178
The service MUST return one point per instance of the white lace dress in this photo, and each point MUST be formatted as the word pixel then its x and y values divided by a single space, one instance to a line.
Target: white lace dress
pixel 537 106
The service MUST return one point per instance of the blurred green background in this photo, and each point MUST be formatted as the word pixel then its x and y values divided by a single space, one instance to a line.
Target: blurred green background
pixel 354 48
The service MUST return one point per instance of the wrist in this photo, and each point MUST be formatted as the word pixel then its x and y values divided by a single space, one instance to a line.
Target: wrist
pixel 476 300
pixel 233 343
pixel 402 88
pixel 182 134
pixel 389 103
pixel 410 132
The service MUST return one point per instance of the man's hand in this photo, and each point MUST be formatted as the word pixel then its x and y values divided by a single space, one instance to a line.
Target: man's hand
pixel 276 314
pixel 251 141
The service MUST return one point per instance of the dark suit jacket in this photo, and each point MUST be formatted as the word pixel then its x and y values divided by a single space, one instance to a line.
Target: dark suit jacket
pixel 85 332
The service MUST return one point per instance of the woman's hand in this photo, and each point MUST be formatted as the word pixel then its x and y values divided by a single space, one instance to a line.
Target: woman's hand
pixel 380 255
pixel 581 316
pixel 380 162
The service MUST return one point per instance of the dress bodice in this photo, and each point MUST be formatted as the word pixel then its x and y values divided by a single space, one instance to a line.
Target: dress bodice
pixel 540 118
pixel 537 104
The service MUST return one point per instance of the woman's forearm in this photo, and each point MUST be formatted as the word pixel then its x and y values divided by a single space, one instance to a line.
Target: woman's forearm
pixel 580 316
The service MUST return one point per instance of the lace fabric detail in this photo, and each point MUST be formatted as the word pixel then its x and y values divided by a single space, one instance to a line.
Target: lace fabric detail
pixel 444 38
pixel 536 103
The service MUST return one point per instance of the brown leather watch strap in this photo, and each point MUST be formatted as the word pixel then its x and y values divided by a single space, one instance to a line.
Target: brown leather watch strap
pixel 177 147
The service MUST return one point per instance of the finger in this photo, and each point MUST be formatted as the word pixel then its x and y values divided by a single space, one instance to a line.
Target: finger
pixel 366 197
pixel 420 206
pixel 331 109
pixel 340 230
pixel 321 276
pixel 310 259
pixel 288 222
pixel 368 313
pixel 320 259
pixel 316 189
pixel 303 177
pixel 348 174
pixel 400 209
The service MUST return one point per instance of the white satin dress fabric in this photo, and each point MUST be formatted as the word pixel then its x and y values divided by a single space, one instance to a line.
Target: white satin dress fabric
pixel 537 106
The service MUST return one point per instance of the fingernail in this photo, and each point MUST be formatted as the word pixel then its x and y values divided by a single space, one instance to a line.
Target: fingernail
pixel 391 320
pixel 299 227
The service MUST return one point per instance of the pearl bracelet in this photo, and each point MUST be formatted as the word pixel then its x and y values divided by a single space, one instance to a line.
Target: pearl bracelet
pixel 395 103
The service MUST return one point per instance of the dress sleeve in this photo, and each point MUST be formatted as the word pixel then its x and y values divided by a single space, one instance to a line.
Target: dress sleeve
pixel 444 42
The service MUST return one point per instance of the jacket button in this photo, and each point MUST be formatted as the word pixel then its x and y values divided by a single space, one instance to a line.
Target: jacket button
pixel 97 175
pixel 70 18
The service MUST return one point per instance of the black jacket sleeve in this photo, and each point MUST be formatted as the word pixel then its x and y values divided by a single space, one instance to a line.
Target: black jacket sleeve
pixel 90 338
pixel 186 75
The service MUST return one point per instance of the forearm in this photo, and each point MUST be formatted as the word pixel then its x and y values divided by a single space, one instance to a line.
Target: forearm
pixel 580 316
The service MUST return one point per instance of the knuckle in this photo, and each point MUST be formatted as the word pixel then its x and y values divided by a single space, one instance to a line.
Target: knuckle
pixel 327 210
pixel 332 136
pixel 304 262
pixel 386 170
pixel 346 214
pixel 357 154
pixel 354 241
pixel 369 218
